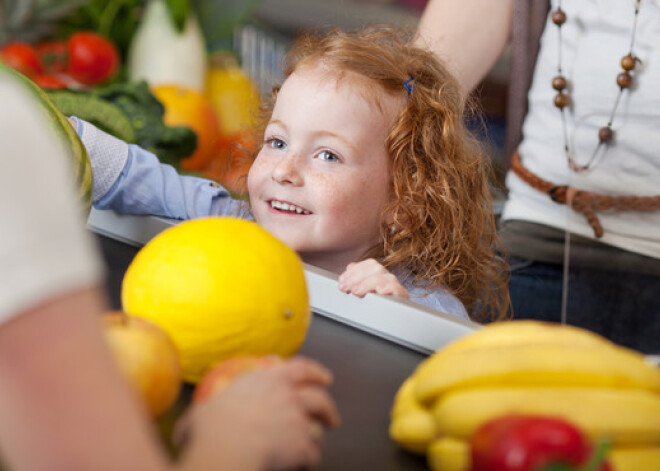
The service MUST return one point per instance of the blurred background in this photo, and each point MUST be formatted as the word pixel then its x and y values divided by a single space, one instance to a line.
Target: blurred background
pixel 207 62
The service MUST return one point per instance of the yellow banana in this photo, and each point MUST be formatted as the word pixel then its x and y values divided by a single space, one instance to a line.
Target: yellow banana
pixel 413 430
pixel 411 426
pixel 536 364
pixel 635 459
pixel 531 367
pixel 508 333
pixel 449 454
pixel 405 400
pixel 625 416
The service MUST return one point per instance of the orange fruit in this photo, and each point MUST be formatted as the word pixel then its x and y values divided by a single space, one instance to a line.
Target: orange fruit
pixel 186 107
pixel 232 162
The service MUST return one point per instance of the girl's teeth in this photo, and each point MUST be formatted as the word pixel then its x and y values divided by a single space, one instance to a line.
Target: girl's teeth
pixel 287 207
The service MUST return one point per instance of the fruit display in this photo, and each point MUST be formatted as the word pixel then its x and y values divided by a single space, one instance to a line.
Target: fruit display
pixel 82 47
pixel 146 357
pixel 532 368
pixel 187 107
pixel 232 94
pixel 132 113
pixel 85 59
pixel 13 82
pixel 236 102
pixel 220 287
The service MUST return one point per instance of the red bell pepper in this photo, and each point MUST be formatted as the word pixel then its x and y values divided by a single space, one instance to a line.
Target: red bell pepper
pixel 533 443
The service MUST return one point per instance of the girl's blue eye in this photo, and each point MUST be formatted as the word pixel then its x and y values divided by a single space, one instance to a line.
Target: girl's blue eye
pixel 328 156
pixel 276 143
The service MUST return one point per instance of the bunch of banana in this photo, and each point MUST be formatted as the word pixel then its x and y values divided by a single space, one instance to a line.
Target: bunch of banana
pixel 529 367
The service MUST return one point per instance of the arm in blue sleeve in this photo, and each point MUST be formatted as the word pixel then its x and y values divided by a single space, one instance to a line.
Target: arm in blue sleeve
pixel 131 180
pixel 145 186
pixel 439 299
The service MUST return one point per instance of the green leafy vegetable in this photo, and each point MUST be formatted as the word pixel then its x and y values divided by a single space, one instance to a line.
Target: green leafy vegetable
pixel 97 111
pixel 113 107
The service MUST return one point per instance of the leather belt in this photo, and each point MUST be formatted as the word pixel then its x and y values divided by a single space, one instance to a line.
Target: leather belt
pixel 585 202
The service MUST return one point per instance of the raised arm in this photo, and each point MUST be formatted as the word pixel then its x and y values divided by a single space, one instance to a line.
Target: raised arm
pixel 468 35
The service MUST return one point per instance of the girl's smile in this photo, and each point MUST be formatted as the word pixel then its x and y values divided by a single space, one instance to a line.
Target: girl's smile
pixel 284 207
pixel 322 180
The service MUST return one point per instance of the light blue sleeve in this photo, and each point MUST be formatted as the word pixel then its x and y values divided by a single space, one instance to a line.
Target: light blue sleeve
pixel 439 299
pixel 145 186
pixel 131 180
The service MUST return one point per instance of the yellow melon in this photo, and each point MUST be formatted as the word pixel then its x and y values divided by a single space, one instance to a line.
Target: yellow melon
pixel 220 287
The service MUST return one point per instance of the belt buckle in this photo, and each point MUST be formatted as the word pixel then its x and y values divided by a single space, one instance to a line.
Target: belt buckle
pixel 558 193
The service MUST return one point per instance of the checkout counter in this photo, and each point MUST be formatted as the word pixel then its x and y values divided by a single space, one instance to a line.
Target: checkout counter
pixel 371 345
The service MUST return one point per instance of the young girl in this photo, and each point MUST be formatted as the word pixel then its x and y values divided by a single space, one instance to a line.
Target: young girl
pixel 366 169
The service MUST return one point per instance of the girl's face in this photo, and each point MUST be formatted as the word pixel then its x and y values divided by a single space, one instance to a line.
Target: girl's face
pixel 321 181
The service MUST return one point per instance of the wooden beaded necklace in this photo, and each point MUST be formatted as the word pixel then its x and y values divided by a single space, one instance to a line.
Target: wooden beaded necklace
pixel 562 99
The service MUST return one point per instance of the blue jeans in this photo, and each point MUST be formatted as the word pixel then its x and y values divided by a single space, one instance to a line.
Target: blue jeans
pixel 622 306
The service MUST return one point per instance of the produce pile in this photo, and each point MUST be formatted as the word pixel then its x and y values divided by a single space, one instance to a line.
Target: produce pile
pixel 220 287
pixel 533 371
pixel 205 302
pixel 149 73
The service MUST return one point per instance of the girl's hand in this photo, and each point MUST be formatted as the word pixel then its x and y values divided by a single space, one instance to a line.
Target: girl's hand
pixel 271 418
pixel 369 276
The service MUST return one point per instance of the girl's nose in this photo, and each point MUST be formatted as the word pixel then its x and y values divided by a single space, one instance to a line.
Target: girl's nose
pixel 288 170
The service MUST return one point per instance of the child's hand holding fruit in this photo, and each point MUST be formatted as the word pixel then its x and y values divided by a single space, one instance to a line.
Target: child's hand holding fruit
pixel 278 410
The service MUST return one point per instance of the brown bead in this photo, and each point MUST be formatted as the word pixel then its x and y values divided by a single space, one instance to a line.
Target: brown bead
pixel 624 80
pixel 605 134
pixel 562 100
pixel 558 17
pixel 559 83
pixel 628 62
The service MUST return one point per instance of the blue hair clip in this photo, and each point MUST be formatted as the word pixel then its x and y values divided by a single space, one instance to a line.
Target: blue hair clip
pixel 410 84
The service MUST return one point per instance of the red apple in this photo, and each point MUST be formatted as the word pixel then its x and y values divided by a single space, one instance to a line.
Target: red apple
pixel 228 370
pixel 147 358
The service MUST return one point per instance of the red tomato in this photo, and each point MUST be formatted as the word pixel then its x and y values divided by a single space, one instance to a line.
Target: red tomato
pixel 22 57
pixel 92 58
pixel 49 82
pixel 529 443
pixel 54 55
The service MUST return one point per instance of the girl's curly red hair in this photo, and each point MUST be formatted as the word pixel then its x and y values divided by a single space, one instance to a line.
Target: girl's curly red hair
pixel 439 229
